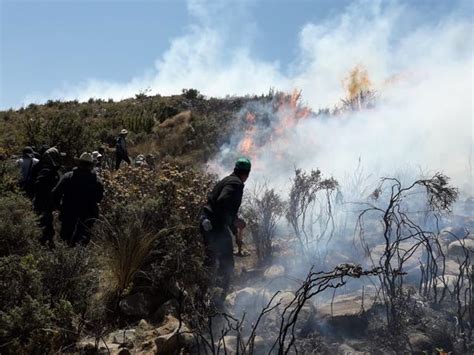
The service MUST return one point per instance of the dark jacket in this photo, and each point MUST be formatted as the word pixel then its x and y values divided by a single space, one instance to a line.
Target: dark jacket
pixel 78 193
pixel 223 202
pixel 45 182
pixel 121 147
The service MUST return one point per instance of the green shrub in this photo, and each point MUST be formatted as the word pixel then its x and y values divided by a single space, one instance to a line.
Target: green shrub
pixel 18 230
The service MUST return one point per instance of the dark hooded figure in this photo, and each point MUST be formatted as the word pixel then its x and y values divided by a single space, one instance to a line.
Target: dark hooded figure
pixel 46 179
pixel 77 194
pixel 121 152
pixel 219 219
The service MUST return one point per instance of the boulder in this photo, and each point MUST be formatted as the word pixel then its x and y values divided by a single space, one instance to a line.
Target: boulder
pixel 451 267
pixel 170 307
pixel 122 336
pixel 345 317
pixel 420 343
pixel 456 249
pixel 169 325
pixel 274 272
pixel 173 336
pixel 378 251
pixel 247 299
pixel 350 304
pixel 345 349
pixel 306 315
pixel 136 305
pixel 87 346
pixel 227 344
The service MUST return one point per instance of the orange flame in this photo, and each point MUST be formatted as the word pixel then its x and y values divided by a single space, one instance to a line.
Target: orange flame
pixel 357 81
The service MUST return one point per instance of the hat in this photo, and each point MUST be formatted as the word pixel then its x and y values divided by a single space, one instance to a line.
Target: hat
pixel 28 151
pixel 243 164
pixel 86 158
pixel 124 131
pixel 96 154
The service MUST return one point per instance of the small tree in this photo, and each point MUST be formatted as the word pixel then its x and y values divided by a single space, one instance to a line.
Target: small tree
pixel 308 214
pixel 262 211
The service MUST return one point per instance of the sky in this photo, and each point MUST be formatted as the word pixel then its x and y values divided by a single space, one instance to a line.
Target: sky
pixel 76 49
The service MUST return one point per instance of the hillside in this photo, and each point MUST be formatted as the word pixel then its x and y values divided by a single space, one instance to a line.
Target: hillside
pixel 335 266
pixel 76 127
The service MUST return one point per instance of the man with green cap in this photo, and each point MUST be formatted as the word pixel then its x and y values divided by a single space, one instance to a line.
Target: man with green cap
pixel 219 218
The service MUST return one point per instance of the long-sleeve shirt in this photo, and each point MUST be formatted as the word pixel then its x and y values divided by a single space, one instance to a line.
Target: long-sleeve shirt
pixel 78 193
pixel 121 146
pixel 26 167
pixel 225 199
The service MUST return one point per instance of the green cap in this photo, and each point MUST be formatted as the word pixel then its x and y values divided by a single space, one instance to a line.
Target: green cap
pixel 243 164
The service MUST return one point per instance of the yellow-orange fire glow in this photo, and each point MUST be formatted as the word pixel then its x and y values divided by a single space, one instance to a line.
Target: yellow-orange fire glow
pixel 357 81
pixel 288 110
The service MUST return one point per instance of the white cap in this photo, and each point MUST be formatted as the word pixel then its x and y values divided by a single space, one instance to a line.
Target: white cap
pixel 124 131
pixel 86 158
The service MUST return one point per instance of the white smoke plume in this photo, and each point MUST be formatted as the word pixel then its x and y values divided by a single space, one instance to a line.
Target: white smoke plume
pixel 422 119
pixel 421 71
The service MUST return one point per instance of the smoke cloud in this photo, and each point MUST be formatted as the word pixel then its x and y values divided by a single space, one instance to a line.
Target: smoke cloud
pixel 421 72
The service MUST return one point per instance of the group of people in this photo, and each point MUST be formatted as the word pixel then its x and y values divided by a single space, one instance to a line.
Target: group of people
pixel 76 194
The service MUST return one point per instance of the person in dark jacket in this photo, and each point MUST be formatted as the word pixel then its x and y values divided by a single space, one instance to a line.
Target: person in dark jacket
pixel 219 218
pixel 27 164
pixel 46 179
pixel 121 152
pixel 77 194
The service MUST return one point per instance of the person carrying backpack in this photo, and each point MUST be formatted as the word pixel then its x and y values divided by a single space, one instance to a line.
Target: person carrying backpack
pixel 26 164
pixel 77 195
pixel 121 152
pixel 219 217
pixel 46 179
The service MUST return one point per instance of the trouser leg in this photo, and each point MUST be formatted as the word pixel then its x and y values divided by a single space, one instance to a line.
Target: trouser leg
pixel 226 260
pixel 118 160
pixel 47 228
pixel 68 229
pixel 82 233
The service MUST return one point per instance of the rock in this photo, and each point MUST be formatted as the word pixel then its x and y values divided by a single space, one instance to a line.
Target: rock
pixel 144 325
pixel 345 317
pixel 451 267
pixel 227 344
pixel 274 271
pixel 345 349
pixel 170 307
pixel 259 345
pixel 305 318
pixel 247 299
pixel 170 325
pixel 419 343
pixel 347 305
pixel 451 234
pixel 122 336
pixel 88 346
pixel 456 249
pixel 173 337
pixel 378 251
pixel 136 305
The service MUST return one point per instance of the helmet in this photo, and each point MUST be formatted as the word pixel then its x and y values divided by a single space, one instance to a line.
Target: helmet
pixel 243 164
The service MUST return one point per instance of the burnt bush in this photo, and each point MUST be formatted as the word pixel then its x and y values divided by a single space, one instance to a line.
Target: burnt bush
pixel 262 211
